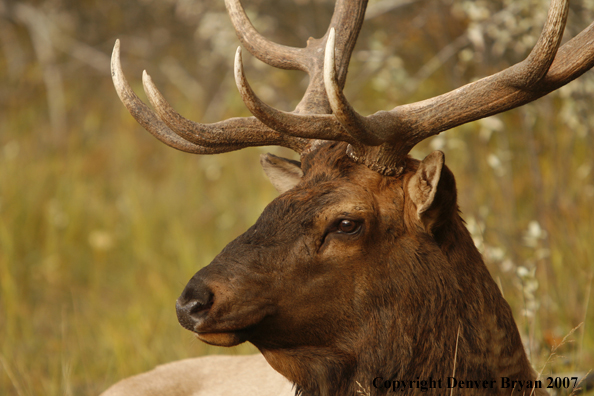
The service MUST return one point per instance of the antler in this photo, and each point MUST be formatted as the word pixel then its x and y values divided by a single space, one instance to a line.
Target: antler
pixel 546 69
pixel 381 140
pixel 176 131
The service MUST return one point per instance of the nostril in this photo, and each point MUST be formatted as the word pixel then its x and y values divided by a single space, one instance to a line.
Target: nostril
pixel 196 306
pixel 196 292
pixel 194 302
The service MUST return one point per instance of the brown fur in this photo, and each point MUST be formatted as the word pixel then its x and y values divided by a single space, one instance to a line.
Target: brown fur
pixel 397 300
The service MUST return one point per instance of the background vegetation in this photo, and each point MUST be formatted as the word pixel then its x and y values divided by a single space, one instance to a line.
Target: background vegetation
pixel 101 226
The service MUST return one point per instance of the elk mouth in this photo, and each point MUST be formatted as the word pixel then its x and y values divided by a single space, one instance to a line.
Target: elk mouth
pixel 223 332
pixel 224 339
pixel 210 322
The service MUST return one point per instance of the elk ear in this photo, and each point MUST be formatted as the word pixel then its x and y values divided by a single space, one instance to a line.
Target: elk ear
pixel 433 191
pixel 283 173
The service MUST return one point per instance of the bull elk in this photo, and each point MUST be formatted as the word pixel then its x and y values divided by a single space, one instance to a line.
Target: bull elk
pixel 361 272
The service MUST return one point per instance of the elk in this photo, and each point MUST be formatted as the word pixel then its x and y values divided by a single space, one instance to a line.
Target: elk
pixel 361 272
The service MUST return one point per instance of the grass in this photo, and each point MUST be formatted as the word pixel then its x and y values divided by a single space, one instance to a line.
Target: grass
pixel 94 249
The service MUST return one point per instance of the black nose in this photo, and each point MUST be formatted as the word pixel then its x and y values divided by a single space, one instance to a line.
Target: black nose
pixel 194 303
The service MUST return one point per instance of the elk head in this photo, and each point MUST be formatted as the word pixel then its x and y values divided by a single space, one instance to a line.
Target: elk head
pixel 362 267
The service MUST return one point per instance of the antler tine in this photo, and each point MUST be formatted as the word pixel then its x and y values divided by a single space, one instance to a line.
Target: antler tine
pixel 310 119
pixel 573 59
pixel 347 21
pixel 510 88
pixel 319 126
pixel 538 62
pixel 174 130
pixel 342 110
pixel 347 16
pixel 273 54
pixel 248 131
pixel 145 116
pixel 547 68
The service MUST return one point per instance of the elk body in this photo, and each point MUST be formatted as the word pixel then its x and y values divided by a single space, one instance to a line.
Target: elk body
pixel 361 272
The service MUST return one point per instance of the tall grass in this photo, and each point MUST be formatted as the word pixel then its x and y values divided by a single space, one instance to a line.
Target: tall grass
pixel 96 244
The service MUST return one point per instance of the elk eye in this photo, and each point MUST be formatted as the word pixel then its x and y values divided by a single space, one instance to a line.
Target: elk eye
pixel 348 226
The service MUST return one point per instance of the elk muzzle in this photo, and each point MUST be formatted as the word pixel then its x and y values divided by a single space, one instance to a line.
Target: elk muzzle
pixel 194 303
pixel 220 307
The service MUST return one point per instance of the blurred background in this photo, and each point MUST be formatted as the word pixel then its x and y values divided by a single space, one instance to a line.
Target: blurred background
pixel 101 226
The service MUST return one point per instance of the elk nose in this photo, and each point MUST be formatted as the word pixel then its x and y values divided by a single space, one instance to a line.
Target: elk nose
pixel 193 304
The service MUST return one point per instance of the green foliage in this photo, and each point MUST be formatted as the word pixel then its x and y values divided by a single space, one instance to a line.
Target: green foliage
pixel 101 226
